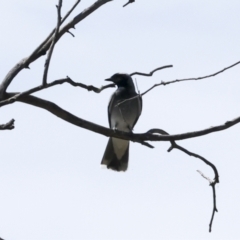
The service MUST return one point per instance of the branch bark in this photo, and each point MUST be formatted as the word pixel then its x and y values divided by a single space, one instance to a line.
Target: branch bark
pixel 152 72
pixel 212 183
pixel 24 63
pixel 143 137
pixel 49 56
pixel 189 79
pixel 54 83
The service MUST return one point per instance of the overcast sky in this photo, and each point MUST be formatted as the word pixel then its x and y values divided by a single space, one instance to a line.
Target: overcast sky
pixel 51 183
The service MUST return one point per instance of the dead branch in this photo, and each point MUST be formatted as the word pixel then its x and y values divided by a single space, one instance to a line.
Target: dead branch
pixel 207 178
pixel 44 47
pixel 70 11
pixel 76 20
pixel 142 137
pixel 50 52
pixel 173 81
pixel 190 79
pixel 56 82
pixel 35 52
pixel 212 182
pixel 152 72
pixel 7 126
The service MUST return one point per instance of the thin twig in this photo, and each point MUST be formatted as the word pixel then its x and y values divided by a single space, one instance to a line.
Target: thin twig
pixel 190 79
pixel 48 59
pixel 38 49
pixel 7 126
pixel 130 1
pixel 44 47
pixel 71 33
pixel 173 81
pixel 54 83
pixel 70 11
pixel 212 183
pixel 207 178
pixel 152 72
pixel 214 205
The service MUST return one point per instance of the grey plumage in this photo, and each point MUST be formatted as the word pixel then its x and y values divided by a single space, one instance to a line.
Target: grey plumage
pixel 124 109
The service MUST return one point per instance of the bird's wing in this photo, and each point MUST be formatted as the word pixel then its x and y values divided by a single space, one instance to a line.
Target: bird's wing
pixel 110 107
pixel 139 101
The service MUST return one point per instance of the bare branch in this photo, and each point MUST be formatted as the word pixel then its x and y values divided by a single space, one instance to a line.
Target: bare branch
pixel 59 112
pixel 174 81
pixel 70 11
pixel 212 183
pixel 214 206
pixel 190 79
pixel 8 126
pixel 207 178
pixel 56 82
pixel 216 178
pixel 43 48
pixel 35 52
pixel 152 72
pixel 130 1
pixel 76 20
pixel 48 59
pixel 71 33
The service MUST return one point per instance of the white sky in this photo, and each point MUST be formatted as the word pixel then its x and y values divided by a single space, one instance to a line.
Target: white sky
pixel 51 183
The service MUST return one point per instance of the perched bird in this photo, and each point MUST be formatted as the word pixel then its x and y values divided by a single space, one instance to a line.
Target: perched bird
pixel 124 109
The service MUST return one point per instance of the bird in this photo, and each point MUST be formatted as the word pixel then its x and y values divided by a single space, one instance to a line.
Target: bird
pixel 124 109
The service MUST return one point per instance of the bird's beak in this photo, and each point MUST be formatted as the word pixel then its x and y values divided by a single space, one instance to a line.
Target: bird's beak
pixel 109 80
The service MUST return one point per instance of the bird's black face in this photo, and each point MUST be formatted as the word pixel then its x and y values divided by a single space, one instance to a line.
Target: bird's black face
pixel 121 80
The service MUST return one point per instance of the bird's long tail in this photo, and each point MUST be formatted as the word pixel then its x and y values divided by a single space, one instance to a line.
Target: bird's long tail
pixel 116 154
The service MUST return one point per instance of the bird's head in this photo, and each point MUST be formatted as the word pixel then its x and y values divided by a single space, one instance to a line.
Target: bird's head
pixel 122 80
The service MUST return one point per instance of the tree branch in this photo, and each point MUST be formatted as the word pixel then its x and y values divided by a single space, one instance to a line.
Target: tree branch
pixel 174 81
pixel 7 126
pixel 190 79
pixel 35 52
pixel 152 72
pixel 148 136
pixel 48 59
pixel 70 11
pixel 76 20
pixel 43 48
pixel 56 82
pixel 211 182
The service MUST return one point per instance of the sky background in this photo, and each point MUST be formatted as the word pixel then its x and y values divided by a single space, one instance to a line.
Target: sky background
pixel 51 183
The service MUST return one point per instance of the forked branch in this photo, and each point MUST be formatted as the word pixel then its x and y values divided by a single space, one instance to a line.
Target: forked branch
pixel 50 52
pixel 45 45
pixel 212 183
pixel 68 80
pixel 152 72
pixel 190 79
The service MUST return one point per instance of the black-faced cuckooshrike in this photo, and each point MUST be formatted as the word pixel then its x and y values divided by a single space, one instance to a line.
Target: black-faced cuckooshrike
pixel 124 109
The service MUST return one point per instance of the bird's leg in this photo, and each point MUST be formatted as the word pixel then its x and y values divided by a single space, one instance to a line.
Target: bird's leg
pixel 115 127
pixel 129 128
